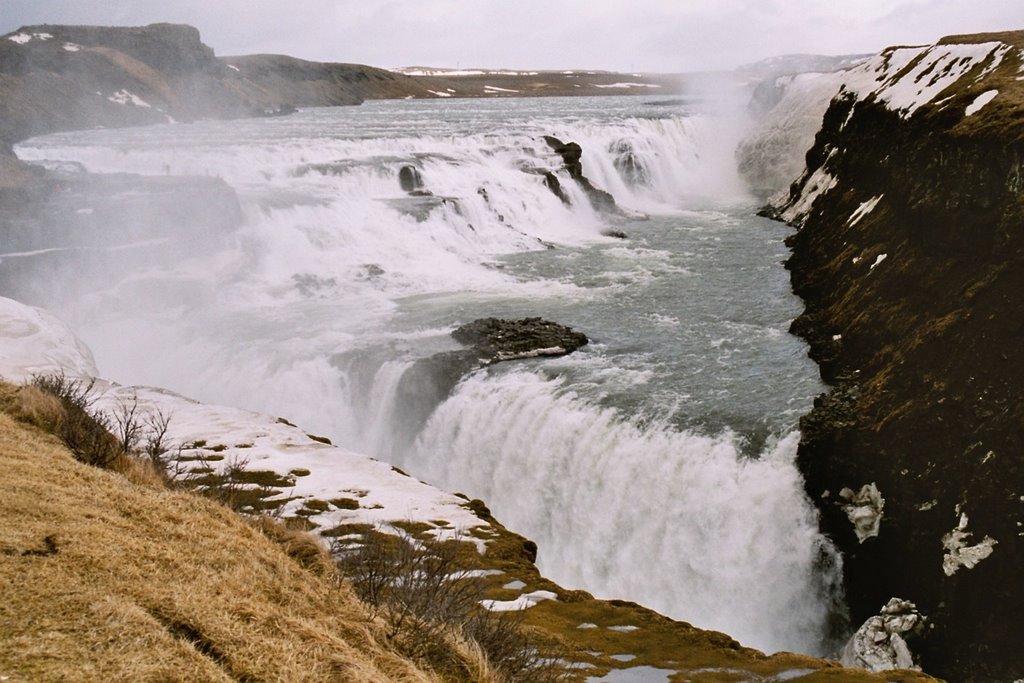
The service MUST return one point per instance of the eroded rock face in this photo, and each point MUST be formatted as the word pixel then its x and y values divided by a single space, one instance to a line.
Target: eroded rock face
pixel 909 256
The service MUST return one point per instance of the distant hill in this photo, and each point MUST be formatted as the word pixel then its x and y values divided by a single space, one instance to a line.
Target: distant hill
pixel 56 78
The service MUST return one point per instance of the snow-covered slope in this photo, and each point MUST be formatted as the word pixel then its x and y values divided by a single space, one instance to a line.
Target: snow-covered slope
pixel 204 437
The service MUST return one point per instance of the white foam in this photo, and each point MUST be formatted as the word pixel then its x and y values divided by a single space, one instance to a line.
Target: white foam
pixel 568 474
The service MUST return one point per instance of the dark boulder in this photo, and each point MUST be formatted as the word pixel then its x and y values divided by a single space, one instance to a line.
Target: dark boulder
pixel 571 154
pixel 410 179
pixel 496 340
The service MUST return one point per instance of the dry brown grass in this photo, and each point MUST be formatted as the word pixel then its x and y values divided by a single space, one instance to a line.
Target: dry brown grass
pixel 102 579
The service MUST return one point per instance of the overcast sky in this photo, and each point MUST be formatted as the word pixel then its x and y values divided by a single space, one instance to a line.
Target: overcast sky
pixel 622 35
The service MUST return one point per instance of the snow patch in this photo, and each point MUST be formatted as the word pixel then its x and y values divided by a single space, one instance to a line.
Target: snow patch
pixel 428 71
pixel 980 101
pixel 439 94
pixel 71 47
pixel 126 97
pixel 22 38
pixel 905 79
pixel 34 342
pixel 524 601
pixel 863 210
pixel 878 260
pixel 864 509
pixel 233 67
pixel 959 554
pixel 818 184
pixel 494 88
pixel 627 85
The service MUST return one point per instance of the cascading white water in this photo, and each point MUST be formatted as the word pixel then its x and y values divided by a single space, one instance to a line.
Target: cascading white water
pixel 680 522
pixel 655 465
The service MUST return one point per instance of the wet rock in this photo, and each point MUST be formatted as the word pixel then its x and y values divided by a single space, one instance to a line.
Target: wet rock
pixel 410 179
pixel 552 183
pixel 571 154
pixel 495 340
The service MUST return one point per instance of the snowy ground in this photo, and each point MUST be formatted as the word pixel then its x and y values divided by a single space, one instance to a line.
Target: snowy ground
pixel 310 473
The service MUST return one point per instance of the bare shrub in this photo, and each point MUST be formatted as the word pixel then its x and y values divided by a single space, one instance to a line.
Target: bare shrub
pixel 86 432
pixel 128 423
pixel 431 603
pixel 155 444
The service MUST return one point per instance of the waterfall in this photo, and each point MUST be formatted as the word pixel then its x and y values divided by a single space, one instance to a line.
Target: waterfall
pixel 680 522
pixel 340 283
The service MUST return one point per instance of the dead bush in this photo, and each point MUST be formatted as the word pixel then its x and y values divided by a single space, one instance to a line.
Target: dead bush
pixel 431 603
pixel 86 432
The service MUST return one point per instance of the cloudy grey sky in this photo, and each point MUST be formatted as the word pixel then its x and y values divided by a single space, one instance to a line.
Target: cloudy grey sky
pixel 635 35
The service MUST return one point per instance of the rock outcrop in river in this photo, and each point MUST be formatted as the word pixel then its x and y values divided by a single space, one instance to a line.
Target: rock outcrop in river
pixel 910 258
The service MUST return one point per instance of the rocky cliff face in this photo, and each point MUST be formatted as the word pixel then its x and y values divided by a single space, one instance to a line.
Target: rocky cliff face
pixel 910 258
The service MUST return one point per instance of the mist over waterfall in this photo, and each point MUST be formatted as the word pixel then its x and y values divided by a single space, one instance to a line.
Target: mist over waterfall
pixel 654 465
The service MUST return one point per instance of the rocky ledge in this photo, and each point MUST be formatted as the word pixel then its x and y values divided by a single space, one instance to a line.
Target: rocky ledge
pixel 494 339
pixel 910 258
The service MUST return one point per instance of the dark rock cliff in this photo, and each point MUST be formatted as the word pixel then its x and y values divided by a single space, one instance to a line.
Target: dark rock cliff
pixel 910 258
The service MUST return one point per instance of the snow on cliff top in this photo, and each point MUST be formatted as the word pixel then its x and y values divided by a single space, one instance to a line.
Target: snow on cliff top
pixel 907 78
pixel 33 342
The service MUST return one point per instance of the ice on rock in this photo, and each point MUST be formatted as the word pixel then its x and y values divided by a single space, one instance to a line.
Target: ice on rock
pixel 863 210
pixel 958 553
pixel 880 643
pixel 864 509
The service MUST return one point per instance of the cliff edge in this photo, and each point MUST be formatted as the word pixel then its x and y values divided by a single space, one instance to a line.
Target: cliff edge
pixel 910 258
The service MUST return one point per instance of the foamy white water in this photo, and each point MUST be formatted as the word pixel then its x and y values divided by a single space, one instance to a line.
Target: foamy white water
pixel 655 465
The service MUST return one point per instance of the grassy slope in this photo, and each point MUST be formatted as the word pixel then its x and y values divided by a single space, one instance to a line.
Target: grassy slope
pixel 137 583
